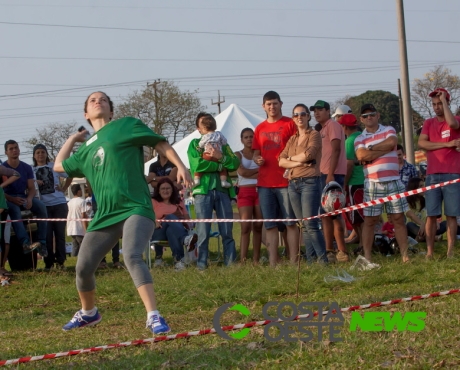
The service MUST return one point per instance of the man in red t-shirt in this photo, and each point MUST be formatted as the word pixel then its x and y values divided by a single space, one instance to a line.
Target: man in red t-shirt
pixel 270 138
pixel 440 138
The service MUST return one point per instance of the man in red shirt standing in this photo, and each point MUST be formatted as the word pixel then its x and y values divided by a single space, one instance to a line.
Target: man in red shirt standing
pixel 440 138
pixel 270 138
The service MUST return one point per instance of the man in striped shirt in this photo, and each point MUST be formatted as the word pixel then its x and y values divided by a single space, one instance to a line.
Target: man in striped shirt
pixel 376 149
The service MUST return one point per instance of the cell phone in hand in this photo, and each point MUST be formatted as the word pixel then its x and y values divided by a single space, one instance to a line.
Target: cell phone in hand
pixel 82 128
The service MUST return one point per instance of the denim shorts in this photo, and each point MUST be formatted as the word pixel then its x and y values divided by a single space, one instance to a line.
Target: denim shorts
pixel 274 203
pixel 451 193
pixel 340 179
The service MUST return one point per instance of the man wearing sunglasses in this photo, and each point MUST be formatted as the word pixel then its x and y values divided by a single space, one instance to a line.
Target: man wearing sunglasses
pixel 376 149
pixel 440 137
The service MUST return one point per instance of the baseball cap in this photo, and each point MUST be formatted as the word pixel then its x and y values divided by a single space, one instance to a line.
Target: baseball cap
pixel 342 109
pixel 320 104
pixel 348 119
pixel 366 107
pixel 439 89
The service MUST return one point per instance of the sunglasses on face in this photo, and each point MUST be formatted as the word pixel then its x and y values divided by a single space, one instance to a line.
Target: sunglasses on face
pixel 301 114
pixel 365 115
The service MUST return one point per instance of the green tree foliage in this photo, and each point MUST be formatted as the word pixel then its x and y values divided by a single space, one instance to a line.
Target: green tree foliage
pixel 165 108
pixel 386 103
pixel 439 76
pixel 53 136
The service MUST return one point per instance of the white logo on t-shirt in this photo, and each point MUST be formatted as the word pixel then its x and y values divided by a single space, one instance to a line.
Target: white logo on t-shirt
pixel 445 134
pixel 98 157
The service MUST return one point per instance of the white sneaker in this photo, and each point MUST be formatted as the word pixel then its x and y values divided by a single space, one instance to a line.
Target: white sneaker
pixel 190 242
pixel 363 264
pixel 179 266
pixel 370 266
pixel 158 262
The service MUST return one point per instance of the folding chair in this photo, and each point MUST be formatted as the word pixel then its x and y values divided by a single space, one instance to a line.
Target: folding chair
pixel 215 249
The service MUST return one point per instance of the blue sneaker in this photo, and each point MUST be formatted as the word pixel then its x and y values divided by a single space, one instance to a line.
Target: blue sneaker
pixel 157 325
pixel 80 321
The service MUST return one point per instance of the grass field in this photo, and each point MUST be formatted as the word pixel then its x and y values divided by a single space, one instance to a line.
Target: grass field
pixel 36 305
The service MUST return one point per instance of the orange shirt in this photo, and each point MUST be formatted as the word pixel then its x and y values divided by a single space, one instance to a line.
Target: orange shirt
pixel 331 131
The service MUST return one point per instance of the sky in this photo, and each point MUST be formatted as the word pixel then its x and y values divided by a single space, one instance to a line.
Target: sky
pixel 53 54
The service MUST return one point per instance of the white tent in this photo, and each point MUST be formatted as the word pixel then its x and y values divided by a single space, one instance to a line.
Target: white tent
pixel 230 122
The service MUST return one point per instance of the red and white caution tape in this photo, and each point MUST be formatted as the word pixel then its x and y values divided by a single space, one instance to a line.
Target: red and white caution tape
pixel 212 331
pixel 343 210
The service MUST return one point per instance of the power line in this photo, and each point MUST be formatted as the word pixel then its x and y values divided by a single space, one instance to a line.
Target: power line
pixel 220 33
pixel 226 8
pixel 208 60
pixel 224 77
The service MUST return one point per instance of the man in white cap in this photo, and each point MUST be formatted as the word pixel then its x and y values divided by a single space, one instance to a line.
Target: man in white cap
pixel 340 111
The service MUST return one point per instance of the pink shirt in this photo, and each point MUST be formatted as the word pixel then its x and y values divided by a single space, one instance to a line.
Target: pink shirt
pixel 386 167
pixel 162 209
pixel 332 131
pixel 445 160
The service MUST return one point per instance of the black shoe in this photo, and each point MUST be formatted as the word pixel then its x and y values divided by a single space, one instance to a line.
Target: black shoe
pixel 43 251
pixel 358 251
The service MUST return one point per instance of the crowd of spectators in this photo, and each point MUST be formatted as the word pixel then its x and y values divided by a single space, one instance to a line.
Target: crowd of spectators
pixel 283 168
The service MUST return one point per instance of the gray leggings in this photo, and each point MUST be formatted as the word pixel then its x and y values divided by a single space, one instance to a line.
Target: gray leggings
pixel 136 231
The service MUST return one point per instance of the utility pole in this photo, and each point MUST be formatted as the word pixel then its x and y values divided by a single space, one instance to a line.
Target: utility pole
pixel 156 123
pixel 407 109
pixel 218 102
pixel 401 115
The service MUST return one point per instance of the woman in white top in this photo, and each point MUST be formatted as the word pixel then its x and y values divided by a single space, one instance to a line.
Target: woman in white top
pixel 248 199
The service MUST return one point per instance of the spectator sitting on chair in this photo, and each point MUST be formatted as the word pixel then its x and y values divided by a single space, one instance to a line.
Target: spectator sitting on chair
pixel 160 169
pixel 168 205
pixel 406 170
pixel 416 228
pixel 18 200
pixel 13 176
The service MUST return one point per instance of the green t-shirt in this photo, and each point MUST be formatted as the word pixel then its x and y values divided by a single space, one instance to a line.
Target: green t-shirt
pixel 357 176
pixel 113 162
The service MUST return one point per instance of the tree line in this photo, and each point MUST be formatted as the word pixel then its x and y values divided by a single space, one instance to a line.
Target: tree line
pixel 171 112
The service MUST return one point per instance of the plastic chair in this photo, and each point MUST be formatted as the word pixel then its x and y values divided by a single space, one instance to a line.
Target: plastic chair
pixel 215 253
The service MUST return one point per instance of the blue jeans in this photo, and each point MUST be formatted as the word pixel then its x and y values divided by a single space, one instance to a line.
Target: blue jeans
pixel 274 204
pixel 174 233
pixel 304 195
pixel 450 194
pixel 39 210
pixel 204 206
